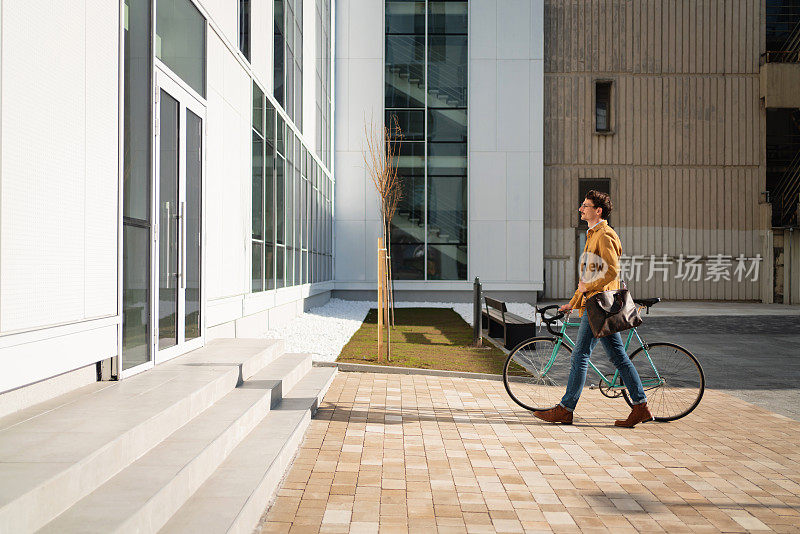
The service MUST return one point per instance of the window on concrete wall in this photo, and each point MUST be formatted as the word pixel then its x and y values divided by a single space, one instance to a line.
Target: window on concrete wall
pixel 602 106
pixel 244 28
pixel 181 41
pixel 426 96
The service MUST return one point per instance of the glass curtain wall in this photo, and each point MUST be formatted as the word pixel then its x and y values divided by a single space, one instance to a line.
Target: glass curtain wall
pixel 288 58
pixel 136 185
pixel 426 96
pixel 291 205
pixel 323 82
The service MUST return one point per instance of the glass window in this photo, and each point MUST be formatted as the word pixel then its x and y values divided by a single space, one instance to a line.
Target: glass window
pixel 426 92
pixel 281 145
pixel 278 51
pixel 447 159
pixel 602 91
pixel 280 201
pixel 447 209
pixel 405 71
pixel 135 295
pixel 410 122
pixel 136 181
pixel 447 71
pixel 447 125
pixel 447 262
pixel 269 266
pixel 269 194
pixel 181 41
pixel 258 187
pixel 405 17
pixel 258 109
pixel 280 276
pixel 244 28
pixel 258 266
pixel 447 17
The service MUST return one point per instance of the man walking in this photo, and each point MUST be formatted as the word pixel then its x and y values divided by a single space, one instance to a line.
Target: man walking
pixel 601 253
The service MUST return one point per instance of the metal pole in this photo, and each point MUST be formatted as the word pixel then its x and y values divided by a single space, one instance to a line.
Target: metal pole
pixel 477 337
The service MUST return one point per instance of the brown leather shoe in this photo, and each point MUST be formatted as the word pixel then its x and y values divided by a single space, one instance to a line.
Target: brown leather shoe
pixel 639 414
pixel 559 414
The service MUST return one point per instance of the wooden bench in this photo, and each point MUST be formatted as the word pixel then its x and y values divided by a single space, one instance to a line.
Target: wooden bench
pixel 500 323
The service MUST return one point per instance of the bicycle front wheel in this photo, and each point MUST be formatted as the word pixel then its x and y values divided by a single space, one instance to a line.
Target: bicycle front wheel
pixel 536 373
pixel 674 382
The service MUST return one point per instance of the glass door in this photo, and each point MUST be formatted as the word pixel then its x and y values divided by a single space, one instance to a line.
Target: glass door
pixel 178 234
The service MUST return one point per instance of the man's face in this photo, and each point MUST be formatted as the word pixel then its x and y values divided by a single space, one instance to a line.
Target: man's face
pixel 588 211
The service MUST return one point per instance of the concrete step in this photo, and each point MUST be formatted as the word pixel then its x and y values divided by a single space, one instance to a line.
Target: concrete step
pixel 147 493
pixel 57 456
pixel 235 496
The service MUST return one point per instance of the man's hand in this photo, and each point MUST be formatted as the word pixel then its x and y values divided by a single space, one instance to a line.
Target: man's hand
pixel 582 287
pixel 565 308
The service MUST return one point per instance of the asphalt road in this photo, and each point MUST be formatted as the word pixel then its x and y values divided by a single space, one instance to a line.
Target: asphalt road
pixel 755 358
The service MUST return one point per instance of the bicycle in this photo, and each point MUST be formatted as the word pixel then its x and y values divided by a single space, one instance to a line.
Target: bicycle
pixel 536 371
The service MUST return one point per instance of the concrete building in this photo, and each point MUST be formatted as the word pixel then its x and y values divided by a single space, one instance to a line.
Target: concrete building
pixel 679 110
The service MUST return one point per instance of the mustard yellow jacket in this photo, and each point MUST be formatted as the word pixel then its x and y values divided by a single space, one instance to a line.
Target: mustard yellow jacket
pixel 602 247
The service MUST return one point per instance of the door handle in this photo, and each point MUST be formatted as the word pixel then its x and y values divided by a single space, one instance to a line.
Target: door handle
pixel 182 244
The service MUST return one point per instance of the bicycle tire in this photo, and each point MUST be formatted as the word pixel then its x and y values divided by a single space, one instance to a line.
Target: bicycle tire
pixel 532 392
pixel 675 365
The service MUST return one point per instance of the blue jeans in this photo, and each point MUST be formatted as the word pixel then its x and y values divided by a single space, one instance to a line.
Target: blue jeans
pixel 615 349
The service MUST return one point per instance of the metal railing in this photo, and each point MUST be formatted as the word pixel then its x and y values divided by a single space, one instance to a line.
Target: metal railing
pixel 786 195
pixel 782 32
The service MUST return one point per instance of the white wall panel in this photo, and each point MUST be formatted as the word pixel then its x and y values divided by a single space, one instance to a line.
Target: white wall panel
pixel 102 159
pixel 341 126
pixel 513 108
pixel 518 185
pixel 225 14
pixel 261 38
pixel 58 224
pixel 487 251
pixel 513 29
pixel 365 29
pixel 228 174
pixel 482 29
pixel 350 250
pixel 537 29
pixel 351 182
pixel 365 99
pixel 518 244
pixel 487 187
pixel 482 104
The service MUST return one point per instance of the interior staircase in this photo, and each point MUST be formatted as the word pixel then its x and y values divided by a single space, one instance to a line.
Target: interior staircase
pixel 197 444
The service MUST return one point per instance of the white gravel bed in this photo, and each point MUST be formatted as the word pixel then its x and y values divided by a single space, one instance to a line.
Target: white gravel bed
pixel 325 330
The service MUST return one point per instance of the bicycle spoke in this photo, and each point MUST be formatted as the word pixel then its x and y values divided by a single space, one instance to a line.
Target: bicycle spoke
pixel 682 382
pixel 533 377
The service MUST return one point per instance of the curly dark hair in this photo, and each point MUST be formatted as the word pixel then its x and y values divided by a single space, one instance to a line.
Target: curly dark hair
pixel 601 200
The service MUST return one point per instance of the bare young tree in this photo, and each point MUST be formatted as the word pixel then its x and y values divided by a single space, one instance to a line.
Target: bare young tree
pixel 380 158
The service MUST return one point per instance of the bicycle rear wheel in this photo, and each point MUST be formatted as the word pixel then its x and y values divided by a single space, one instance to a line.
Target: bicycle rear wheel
pixel 678 386
pixel 535 374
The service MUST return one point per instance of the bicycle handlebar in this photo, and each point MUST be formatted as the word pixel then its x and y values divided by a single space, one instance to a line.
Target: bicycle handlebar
pixel 548 321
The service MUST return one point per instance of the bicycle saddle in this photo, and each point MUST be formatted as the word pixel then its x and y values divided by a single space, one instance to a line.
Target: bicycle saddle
pixel 647 302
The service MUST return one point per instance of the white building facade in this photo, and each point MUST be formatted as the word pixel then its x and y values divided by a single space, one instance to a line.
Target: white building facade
pixel 464 80
pixel 186 190
pixel 194 151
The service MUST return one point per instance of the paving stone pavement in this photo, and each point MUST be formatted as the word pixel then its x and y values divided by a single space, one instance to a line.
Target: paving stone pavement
pixel 395 453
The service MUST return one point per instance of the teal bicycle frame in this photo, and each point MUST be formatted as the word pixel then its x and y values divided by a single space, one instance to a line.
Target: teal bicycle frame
pixel 614 383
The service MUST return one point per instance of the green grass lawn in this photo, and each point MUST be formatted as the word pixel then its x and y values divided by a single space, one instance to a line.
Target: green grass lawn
pixel 428 338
